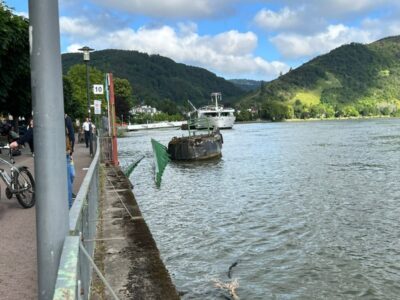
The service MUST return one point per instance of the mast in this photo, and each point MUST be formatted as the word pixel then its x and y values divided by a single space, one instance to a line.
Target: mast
pixel 216 97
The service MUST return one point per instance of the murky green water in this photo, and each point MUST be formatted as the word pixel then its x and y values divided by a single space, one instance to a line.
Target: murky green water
pixel 308 210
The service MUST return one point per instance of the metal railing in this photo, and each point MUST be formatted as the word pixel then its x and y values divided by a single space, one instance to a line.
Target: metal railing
pixel 75 270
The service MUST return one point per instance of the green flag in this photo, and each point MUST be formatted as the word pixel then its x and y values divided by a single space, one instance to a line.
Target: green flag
pixel 161 158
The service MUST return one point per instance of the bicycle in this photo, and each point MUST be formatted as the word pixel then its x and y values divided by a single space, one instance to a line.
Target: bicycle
pixel 19 181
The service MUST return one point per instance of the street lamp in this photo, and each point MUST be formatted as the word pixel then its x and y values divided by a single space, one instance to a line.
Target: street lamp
pixel 86 57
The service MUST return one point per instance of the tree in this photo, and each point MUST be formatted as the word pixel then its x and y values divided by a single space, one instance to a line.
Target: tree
pixel 15 91
pixel 70 107
pixel 244 115
pixel 123 97
pixel 277 111
pixel 76 78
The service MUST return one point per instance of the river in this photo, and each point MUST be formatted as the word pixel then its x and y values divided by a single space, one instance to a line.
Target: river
pixel 308 210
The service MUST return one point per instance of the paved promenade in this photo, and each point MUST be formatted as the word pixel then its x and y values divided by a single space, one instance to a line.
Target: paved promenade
pixel 18 269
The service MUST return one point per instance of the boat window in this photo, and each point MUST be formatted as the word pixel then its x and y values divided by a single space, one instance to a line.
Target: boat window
pixel 210 114
pixel 225 114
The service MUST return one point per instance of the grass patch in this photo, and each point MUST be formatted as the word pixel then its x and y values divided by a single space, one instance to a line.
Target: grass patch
pixel 308 98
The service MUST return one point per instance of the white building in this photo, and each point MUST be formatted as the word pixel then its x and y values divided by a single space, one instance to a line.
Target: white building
pixel 143 109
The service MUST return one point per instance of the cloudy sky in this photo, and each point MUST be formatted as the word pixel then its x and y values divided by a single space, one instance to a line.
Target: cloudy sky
pixel 254 39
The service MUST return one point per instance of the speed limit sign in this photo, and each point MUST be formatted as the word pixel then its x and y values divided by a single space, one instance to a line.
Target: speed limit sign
pixel 98 89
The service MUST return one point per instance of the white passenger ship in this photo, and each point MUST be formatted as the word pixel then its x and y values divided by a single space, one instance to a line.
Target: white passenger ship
pixel 215 115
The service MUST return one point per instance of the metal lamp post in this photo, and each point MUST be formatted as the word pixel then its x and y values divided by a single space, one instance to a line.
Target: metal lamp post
pixel 86 58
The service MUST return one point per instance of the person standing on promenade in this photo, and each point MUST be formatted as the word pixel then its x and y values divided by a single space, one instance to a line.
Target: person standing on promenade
pixel 86 129
pixel 26 138
pixel 69 142
pixel 69 125
pixel 30 143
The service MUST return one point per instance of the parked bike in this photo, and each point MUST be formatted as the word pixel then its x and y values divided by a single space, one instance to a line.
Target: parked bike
pixel 18 180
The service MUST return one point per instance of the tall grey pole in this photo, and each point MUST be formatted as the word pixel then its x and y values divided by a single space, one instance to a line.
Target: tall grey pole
pixel 49 141
pixel 88 88
pixel 88 104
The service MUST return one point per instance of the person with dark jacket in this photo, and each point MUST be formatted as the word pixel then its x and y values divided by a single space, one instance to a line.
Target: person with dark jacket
pixel 70 131
pixel 26 138
pixel 30 143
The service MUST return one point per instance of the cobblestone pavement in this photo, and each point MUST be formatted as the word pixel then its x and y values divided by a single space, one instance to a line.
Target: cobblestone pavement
pixel 18 269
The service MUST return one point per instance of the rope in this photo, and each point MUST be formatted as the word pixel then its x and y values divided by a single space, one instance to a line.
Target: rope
pixel 82 247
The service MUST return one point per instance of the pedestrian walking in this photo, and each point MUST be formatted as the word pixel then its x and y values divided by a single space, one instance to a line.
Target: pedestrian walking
pixel 87 127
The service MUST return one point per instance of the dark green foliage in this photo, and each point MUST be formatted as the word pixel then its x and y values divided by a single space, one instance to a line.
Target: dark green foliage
pixel 155 78
pixel 15 92
pixel 246 115
pixel 276 111
pixel 70 106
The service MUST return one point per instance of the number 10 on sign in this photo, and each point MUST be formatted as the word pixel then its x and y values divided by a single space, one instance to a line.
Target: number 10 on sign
pixel 98 89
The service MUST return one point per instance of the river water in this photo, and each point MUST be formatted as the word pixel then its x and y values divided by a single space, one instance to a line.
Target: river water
pixel 308 210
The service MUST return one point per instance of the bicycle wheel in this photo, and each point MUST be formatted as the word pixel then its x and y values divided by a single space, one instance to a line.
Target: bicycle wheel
pixel 25 187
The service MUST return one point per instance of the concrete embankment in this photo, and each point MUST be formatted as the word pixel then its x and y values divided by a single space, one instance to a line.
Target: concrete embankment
pixel 126 251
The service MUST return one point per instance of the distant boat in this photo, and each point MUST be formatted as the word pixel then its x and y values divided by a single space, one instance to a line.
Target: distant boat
pixel 196 147
pixel 214 115
pixel 159 125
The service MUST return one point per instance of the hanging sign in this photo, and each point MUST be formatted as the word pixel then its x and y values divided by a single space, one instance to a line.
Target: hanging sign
pixel 97 107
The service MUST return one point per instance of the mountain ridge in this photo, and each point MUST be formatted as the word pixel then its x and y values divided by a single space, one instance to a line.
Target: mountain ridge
pixel 365 77
pixel 154 77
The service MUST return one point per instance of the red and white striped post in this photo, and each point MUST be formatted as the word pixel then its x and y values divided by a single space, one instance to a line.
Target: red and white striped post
pixel 111 112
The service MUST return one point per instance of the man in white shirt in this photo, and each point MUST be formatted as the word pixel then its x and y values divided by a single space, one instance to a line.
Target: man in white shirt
pixel 87 126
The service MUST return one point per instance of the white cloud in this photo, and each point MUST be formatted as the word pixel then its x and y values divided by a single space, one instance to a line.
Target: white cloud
pixel 335 8
pixel 381 27
pixel 295 45
pixel 284 19
pixel 228 54
pixel 22 14
pixel 77 26
pixel 233 43
pixel 313 16
pixel 170 8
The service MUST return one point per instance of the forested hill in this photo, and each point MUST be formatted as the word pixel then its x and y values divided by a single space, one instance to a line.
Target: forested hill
pixel 365 79
pixel 246 84
pixel 155 78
